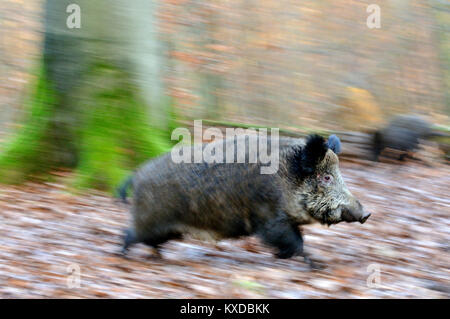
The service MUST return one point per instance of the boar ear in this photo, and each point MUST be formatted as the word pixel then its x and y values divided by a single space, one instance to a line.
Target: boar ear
pixel 334 143
pixel 305 159
pixel 314 151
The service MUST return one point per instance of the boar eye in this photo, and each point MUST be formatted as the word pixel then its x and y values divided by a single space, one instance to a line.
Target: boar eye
pixel 327 178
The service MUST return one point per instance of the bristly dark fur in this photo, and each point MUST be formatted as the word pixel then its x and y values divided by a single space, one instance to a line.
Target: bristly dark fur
pixel 305 159
pixel 221 201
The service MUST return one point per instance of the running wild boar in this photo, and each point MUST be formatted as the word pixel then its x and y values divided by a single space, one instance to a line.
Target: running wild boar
pixel 222 200
pixel 403 134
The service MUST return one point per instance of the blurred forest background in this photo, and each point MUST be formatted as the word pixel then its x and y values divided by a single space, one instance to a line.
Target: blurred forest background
pixel 297 65
pixel 81 108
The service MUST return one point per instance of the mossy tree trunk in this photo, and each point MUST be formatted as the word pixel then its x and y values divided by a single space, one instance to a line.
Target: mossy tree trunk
pixel 89 108
pixel 442 13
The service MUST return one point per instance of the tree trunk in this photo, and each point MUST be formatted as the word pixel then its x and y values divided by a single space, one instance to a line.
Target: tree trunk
pixel 97 89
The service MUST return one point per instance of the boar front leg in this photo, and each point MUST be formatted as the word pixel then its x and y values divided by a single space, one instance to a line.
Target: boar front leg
pixel 286 237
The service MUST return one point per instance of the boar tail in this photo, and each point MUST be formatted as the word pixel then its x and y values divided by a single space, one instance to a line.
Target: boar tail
pixel 122 190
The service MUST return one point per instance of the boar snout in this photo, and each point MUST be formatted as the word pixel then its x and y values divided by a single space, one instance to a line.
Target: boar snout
pixel 364 217
pixel 354 213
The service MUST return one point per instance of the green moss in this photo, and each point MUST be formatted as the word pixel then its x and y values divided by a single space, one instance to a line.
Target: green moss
pixel 115 135
pixel 108 137
pixel 27 153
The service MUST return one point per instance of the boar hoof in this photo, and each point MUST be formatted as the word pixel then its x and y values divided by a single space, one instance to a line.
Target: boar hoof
pixel 155 255
pixel 314 265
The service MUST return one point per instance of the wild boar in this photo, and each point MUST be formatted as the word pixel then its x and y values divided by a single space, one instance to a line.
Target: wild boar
pixel 232 200
pixel 403 134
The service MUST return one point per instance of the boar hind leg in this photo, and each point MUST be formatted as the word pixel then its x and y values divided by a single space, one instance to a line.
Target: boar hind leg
pixel 158 239
pixel 284 236
pixel 153 240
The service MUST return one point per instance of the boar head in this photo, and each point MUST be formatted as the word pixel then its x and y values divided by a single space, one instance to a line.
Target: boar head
pixel 324 195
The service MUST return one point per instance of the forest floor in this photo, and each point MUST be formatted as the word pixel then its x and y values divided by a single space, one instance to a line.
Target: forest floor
pixel 49 234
